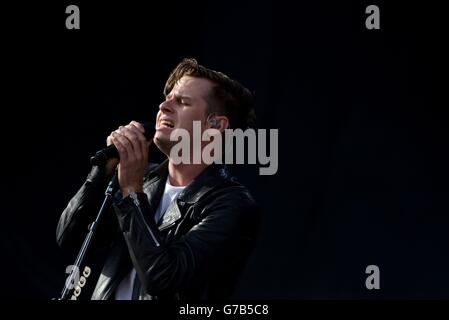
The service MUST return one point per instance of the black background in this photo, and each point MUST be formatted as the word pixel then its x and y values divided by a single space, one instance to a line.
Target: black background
pixel 363 133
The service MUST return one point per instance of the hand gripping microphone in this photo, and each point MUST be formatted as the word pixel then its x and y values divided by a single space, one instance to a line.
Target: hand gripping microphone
pixel 101 157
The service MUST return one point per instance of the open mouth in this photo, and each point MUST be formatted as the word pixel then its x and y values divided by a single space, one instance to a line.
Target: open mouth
pixel 167 124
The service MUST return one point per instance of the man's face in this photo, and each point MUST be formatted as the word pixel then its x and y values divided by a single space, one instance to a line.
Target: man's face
pixel 183 105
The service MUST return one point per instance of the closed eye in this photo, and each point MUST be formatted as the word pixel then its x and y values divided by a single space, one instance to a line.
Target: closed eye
pixel 183 102
pixel 180 99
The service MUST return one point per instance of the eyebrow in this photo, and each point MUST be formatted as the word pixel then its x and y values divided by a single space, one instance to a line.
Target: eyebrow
pixel 180 96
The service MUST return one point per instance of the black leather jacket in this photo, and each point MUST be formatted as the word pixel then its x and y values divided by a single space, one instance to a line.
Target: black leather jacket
pixel 195 252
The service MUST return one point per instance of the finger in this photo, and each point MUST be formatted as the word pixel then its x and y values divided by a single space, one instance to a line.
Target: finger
pixel 120 149
pixel 124 131
pixel 144 143
pixel 134 136
pixel 110 137
pixel 138 125
pixel 123 146
pixel 109 140
pixel 140 132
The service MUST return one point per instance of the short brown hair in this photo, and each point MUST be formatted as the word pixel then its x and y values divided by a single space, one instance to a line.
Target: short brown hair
pixel 228 97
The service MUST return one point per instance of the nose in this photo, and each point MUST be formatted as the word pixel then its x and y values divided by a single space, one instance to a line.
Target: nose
pixel 166 106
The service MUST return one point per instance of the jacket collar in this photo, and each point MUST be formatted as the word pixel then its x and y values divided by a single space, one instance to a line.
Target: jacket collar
pixel 210 177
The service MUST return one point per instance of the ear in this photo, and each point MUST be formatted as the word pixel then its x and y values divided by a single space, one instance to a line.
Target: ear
pixel 219 122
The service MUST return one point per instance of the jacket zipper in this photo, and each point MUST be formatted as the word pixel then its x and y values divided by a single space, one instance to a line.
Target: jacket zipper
pixel 137 204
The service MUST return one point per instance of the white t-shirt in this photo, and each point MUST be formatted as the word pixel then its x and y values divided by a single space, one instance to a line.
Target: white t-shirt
pixel 125 288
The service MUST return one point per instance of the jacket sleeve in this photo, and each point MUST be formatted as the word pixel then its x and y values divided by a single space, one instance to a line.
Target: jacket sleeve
pixel 224 232
pixel 82 210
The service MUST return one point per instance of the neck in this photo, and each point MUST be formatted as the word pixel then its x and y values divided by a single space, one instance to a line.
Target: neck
pixel 182 174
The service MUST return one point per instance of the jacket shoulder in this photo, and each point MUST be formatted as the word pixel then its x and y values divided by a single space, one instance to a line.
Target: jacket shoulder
pixel 234 195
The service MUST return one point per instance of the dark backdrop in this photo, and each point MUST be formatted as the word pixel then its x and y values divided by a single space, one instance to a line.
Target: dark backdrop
pixel 363 133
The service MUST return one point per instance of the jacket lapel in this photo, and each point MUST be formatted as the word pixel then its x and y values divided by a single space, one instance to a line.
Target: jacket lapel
pixel 171 215
pixel 207 180
pixel 155 184
pixel 154 187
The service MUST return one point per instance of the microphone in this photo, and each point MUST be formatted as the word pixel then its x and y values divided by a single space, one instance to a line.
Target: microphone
pixel 101 157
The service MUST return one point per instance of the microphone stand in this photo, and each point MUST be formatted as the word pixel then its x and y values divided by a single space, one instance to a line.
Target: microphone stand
pixel 107 202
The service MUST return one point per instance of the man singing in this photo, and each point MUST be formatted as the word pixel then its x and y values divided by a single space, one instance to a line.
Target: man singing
pixel 177 230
